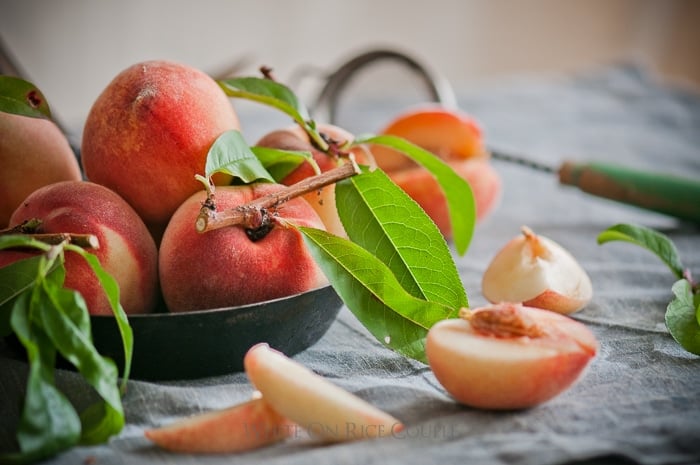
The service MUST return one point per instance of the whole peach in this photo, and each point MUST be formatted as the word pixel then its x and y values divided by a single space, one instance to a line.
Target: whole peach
pixel 225 267
pixel 33 153
pixel 149 133
pixel 126 249
pixel 295 138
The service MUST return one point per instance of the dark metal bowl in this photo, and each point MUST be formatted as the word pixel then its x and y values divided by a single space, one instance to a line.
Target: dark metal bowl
pixel 169 346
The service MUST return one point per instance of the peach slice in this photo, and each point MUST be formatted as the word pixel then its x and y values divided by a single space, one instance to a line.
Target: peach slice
pixel 243 427
pixel 538 272
pixel 312 402
pixel 508 356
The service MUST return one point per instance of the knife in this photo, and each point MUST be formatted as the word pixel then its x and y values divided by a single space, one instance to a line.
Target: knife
pixel 668 194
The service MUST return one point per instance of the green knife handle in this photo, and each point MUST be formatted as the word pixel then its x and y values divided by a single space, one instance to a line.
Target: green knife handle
pixel 663 193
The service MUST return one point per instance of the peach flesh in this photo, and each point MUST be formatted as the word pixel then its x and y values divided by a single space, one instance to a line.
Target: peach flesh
pixel 243 427
pixel 295 138
pixel 312 402
pixel 149 132
pixel 33 153
pixel 127 250
pixel 484 370
pixel 224 267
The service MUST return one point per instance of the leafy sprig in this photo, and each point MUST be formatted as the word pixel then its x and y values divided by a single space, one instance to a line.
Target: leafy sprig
pixel 50 320
pixel 395 271
pixel 683 312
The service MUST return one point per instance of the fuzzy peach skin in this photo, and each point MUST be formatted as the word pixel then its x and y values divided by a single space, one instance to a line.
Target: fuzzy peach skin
pixel 312 402
pixel 127 250
pixel 149 132
pixel 449 134
pixel 247 426
pixel 457 139
pixel 33 153
pixel 295 138
pixel 224 267
pixel 489 371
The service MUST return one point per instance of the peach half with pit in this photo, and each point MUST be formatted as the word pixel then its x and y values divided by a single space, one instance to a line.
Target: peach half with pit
pixel 457 139
pixel 508 356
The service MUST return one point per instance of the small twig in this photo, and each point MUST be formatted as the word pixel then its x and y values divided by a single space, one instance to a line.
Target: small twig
pixel 256 213
pixel 86 241
pixel 31 227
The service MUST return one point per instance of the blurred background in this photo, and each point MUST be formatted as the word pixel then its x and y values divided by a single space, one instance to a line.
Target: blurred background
pixel 71 49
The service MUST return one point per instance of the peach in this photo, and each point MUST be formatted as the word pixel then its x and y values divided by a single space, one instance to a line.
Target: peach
pixel 33 153
pixel 247 426
pixel 508 356
pixel 149 132
pixel 312 402
pixel 295 138
pixel 225 267
pixel 538 272
pixel 126 249
pixel 456 138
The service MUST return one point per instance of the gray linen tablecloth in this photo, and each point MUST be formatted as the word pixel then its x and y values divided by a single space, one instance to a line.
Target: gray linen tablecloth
pixel 639 401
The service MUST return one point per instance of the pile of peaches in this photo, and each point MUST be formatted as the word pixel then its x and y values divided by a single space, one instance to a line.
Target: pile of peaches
pixel 146 137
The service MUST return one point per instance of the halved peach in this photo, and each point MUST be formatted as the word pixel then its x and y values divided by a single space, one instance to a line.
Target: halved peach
pixel 449 134
pixel 508 356
pixel 457 139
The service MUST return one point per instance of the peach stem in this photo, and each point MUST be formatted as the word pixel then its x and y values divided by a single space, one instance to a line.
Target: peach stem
pixel 29 227
pixel 252 214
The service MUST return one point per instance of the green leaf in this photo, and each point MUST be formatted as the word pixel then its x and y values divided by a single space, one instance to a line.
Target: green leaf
pixel 230 154
pixel 459 195
pixel 53 306
pixel 48 423
pixel 654 241
pixel 268 92
pixel 99 422
pixel 277 96
pixel 111 288
pixel 20 97
pixel 681 317
pixel 22 241
pixel 380 217
pixel 15 278
pixel 397 319
pixel 280 163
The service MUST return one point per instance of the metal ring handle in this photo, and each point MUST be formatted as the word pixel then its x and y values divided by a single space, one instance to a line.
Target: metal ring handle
pixel 439 89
